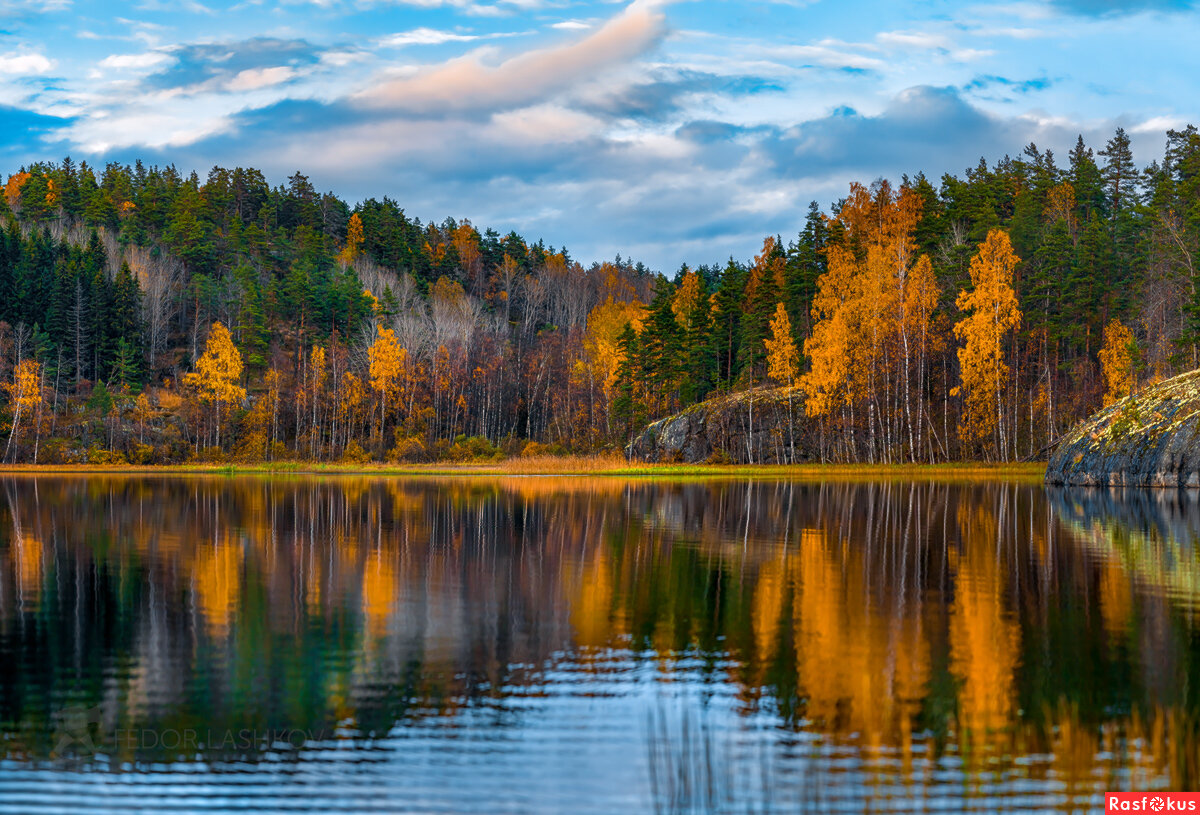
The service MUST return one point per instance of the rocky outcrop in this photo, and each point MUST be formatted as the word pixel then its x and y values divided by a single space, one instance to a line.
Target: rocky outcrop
pixel 1150 439
pixel 756 426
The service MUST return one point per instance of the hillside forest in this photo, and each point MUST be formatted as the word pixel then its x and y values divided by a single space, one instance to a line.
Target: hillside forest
pixel 152 317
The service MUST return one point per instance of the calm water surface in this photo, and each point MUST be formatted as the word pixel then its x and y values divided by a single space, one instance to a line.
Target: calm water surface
pixel 346 644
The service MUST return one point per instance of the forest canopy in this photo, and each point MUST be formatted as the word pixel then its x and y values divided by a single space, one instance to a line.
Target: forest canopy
pixel 147 316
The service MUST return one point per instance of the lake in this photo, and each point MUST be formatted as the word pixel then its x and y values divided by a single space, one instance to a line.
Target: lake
pixel 595 645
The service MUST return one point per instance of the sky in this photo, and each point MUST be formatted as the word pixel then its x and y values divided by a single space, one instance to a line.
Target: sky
pixel 667 132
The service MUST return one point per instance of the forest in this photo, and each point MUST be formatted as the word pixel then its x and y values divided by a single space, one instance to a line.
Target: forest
pixel 151 317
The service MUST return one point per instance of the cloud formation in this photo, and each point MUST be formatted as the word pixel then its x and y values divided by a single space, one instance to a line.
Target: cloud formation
pixel 470 83
pixel 668 132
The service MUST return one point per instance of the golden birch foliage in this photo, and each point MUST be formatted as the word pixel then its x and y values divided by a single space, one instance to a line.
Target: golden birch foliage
pixel 601 349
pixel 316 369
pixel 921 294
pixel 450 291
pixel 1060 205
pixel 782 356
pixel 354 240
pixel 219 369
pixel 685 299
pixel 466 244
pixel 25 390
pixel 827 346
pixel 352 397
pixel 256 427
pixel 1116 361
pixel 861 310
pixel 387 360
pixel 993 311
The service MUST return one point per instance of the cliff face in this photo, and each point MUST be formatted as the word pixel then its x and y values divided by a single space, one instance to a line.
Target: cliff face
pixel 1150 439
pixel 757 426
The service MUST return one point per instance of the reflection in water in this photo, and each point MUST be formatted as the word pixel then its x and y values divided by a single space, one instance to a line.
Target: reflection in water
pixel 541 644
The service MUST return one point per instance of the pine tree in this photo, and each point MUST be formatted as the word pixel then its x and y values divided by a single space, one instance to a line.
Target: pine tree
pixel 759 298
pixel 726 317
pixel 126 326
pixel 629 408
pixel 661 343
pixel 805 265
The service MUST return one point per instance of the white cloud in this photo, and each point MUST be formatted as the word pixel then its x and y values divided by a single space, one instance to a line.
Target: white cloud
pixel 24 64
pixel 255 78
pixel 1158 125
pixel 424 36
pixel 571 25
pixel 1016 33
pixel 824 57
pixel 914 39
pixel 148 59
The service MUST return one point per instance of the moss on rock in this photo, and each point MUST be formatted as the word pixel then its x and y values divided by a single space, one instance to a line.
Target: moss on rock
pixel 1149 439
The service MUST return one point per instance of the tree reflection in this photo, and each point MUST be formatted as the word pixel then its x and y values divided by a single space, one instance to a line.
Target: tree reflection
pixel 1004 629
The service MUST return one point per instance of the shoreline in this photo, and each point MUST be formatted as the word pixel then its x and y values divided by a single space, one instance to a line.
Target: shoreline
pixel 566 466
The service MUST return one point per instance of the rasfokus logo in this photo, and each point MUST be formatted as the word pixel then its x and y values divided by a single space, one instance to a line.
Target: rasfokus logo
pixel 1152 802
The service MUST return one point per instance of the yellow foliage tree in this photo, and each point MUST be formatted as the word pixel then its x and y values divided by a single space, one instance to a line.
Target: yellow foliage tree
pixel 387 360
pixel 354 240
pixel 685 299
pixel 1117 361
pixel 872 315
pixel 26 393
pixel 1060 205
pixel 217 374
pixel 601 346
pixel 466 244
pixel 993 313
pixel 783 363
pixel 782 356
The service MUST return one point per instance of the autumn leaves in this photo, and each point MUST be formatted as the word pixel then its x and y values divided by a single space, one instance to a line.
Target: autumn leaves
pixel 875 333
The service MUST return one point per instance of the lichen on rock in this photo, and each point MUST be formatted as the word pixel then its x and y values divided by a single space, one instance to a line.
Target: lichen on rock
pixel 761 426
pixel 1149 439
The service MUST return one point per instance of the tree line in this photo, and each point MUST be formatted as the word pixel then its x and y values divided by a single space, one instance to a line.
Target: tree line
pixel 150 316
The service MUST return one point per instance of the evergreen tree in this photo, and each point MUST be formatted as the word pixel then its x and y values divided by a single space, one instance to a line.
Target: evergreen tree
pixel 661 347
pixel 125 327
pixel 726 319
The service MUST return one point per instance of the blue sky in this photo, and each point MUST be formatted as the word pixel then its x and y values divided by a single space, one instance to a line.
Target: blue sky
pixel 665 131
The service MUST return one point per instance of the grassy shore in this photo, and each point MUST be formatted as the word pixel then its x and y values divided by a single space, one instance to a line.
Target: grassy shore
pixel 577 466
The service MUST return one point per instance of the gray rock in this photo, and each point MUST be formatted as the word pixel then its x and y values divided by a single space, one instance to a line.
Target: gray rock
pixel 1150 439
pixel 756 425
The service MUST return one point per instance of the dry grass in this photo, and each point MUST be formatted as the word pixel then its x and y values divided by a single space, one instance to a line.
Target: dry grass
pixel 598 465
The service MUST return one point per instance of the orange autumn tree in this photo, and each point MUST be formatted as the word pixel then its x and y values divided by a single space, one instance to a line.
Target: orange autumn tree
pixel 782 356
pixel 217 374
pixel 354 241
pixel 685 299
pixel 602 354
pixel 12 190
pixel 783 363
pixel 993 312
pixel 872 324
pixel 1117 361
pixel 26 394
pixel 387 361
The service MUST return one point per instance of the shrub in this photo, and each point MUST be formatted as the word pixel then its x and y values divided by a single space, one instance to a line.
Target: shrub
pixel 354 454
pixel 537 448
pixel 98 455
pixel 407 448
pixel 473 448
